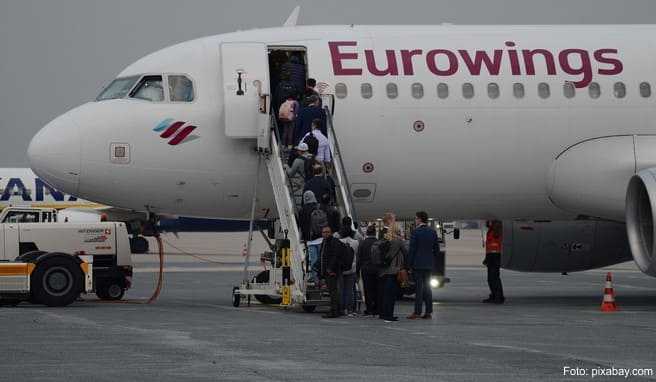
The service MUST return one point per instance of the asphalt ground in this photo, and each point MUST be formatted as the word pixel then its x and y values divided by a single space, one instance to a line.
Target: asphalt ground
pixel 192 333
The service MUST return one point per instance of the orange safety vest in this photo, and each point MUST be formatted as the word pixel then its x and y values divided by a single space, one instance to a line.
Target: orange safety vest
pixel 492 243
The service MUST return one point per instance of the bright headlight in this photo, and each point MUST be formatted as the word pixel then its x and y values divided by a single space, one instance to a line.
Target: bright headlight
pixel 434 283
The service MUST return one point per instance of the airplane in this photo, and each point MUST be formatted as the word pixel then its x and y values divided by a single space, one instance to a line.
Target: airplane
pixel 551 129
pixel 20 187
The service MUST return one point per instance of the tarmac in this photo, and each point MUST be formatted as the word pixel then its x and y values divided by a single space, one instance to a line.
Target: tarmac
pixel 192 333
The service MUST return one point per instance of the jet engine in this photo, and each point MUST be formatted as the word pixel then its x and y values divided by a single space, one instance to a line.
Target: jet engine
pixel 563 246
pixel 640 207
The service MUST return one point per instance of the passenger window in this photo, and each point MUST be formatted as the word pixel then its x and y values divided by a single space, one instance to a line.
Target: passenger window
pixel 442 90
pixel 392 90
pixel 340 90
pixel 595 90
pixel 181 89
pixel 493 90
pixel 119 88
pixel 149 89
pixel 569 90
pixel 417 90
pixel 619 89
pixel 518 90
pixel 543 90
pixel 366 90
pixel 645 89
pixel 467 90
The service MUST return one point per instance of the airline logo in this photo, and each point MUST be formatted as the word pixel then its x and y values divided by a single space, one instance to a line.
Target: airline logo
pixel 15 190
pixel 177 132
pixel 580 64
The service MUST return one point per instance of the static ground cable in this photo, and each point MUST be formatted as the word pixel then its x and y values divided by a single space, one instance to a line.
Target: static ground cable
pixel 160 280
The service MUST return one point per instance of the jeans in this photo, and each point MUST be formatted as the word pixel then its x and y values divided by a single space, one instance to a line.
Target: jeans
pixel 390 293
pixel 288 133
pixel 493 263
pixel 313 259
pixel 348 299
pixel 370 281
pixel 335 293
pixel 423 294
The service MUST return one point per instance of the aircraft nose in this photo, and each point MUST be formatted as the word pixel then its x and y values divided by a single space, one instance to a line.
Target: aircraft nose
pixel 54 154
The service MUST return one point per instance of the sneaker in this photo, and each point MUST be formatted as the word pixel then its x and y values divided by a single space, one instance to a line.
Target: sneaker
pixel 427 316
pixel 413 316
pixel 391 319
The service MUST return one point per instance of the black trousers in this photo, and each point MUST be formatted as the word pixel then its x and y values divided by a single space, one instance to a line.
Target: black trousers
pixel 370 281
pixel 335 292
pixel 493 263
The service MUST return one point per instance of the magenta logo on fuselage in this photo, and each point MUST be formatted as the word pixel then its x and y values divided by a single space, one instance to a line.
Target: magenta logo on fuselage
pixel 581 64
pixel 177 131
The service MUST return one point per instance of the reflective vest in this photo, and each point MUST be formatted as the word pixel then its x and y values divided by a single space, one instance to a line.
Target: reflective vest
pixel 492 243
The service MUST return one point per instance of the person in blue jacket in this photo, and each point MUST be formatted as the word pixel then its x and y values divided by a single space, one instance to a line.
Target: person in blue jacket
pixel 306 116
pixel 424 246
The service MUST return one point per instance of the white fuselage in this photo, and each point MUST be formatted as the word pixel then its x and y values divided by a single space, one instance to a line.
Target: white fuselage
pixel 478 157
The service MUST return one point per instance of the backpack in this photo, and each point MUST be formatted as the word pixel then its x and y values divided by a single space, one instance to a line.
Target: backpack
pixel 308 171
pixel 313 143
pixel 346 256
pixel 378 250
pixel 287 111
pixel 318 220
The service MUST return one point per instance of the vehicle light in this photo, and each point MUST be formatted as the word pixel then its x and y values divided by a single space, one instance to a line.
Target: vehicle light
pixel 434 283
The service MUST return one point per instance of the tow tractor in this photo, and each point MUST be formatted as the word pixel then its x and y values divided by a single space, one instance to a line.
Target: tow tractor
pixel 52 263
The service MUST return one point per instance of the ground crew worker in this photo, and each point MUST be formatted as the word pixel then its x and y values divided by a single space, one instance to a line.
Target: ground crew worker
pixel 493 262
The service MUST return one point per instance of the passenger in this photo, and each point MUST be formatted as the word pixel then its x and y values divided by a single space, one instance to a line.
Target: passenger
pixel 323 155
pixel 311 231
pixel 424 247
pixel 492 261
pixel 368 271
pixel 348 236
pixel 312 142
pixel 331 270
pixel 332 214
pixel 296 69
pixel 283 91
pixel 303 164
pixel 287 115
pixel 310 91
pixel 308 114
pixel 319 185
pixel 393 261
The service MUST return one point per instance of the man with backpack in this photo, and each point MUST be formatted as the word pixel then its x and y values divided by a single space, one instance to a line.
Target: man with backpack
pixel 320 186
pixel 311 231
pixel 287 115
pixel 302 164
pixel 347 236
pixel 307 115
pixel 368 270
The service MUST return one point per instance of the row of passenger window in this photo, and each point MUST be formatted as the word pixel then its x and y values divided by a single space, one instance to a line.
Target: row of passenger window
pixel 494 90
pixel 150 88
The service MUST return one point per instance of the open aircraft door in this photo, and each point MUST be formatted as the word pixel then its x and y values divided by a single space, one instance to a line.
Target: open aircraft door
pixel 246 90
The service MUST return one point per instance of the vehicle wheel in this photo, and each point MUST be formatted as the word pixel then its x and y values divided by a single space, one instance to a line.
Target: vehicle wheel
pixel 263 277
pixel 111 291
pixel 309 308
pixel 236 297
pixel 56 281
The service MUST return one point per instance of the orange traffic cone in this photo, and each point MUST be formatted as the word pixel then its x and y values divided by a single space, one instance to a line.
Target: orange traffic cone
pixel 608 304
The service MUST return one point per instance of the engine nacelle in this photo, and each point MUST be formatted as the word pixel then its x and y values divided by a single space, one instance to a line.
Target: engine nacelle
pixel 640 207
pixel 563 246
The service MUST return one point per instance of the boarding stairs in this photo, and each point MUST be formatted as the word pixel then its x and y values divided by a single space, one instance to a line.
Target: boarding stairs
pixel 290 281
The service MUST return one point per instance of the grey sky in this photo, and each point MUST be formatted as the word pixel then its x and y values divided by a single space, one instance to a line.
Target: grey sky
pixel 55 55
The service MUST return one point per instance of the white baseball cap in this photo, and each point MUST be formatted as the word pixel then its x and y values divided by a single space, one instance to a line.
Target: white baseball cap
pixel 302 146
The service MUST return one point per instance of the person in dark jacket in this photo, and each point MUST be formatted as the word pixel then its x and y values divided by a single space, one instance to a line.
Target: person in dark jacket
pixel 394 257
pixel 331 270
pixel 368 271
pixel 294 66
pixel 311 239
pixel 319 184
pixel 310 91
pixel 424 247
pixel 333 215
pixel 306 116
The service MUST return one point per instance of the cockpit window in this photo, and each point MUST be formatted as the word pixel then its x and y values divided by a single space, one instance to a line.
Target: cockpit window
pixel 150 89
pixel 181 89
pixel 119 88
